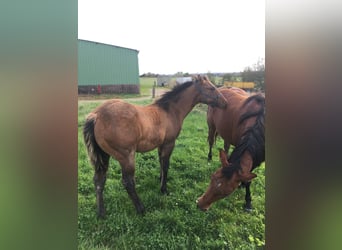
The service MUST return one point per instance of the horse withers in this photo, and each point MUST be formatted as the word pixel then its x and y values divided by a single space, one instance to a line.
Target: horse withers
pixel 119 129
pixel 241 124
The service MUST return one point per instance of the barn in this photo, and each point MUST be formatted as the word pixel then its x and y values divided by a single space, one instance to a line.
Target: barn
pixel 105 68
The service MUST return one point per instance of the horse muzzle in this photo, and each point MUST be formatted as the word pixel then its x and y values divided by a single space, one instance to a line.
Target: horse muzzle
pixel 204 209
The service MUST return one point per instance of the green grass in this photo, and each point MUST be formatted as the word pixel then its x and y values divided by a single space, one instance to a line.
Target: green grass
pixel 172 221
pixel 146 84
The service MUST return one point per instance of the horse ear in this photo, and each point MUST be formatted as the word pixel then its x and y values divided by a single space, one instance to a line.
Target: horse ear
pixel 245 177
pixel 223 158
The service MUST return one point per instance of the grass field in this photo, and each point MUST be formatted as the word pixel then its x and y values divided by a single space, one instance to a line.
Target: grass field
pixel 146 84
pixel 172 221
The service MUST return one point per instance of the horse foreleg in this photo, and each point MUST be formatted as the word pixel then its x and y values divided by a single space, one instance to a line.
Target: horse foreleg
pixel 211 139
pixel 128 181
pixel 226 148
pixel 99 182
pixel 164 153
pixel 248 204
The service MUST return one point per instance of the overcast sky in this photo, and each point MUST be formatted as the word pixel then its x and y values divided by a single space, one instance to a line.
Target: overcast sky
pixel 179 35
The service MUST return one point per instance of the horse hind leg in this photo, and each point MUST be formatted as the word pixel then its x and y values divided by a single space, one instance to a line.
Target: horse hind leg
pixel 99 159
pixel 99 182
pixel 128 181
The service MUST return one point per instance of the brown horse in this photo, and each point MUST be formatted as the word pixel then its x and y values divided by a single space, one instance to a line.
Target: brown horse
pixel 241 123
pixel 120 129
pixel 221 121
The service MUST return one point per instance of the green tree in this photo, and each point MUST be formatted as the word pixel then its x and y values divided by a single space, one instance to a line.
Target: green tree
pixel 211 77
pixel 256 74
pixel 231 77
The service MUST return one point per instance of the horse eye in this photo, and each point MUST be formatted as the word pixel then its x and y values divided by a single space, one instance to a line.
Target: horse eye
pixel 219 184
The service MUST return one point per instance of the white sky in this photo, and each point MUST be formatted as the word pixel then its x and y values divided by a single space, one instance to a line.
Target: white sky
pixel 179 35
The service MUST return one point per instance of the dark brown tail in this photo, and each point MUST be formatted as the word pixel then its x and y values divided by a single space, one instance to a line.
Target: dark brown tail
pixel 98 157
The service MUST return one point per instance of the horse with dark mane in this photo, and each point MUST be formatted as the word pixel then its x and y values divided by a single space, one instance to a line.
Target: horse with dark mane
pixel 241 124
pixel 119 129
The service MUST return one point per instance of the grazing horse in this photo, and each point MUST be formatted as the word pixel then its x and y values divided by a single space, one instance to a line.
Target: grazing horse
pixel 241 123
pixel 119 129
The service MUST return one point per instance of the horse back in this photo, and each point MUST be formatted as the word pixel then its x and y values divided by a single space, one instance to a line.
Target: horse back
pixel 121 126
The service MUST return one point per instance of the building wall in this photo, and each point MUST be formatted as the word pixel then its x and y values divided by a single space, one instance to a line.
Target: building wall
pixel 114 68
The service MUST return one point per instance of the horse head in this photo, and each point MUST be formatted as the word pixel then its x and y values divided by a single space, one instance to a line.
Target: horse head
pixel 208 93
pixel 223 182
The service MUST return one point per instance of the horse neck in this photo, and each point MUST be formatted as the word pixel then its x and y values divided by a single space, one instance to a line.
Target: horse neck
pixel 246 162
pixel 185 103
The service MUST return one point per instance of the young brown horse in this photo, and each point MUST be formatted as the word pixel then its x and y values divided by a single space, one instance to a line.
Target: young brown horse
pixel 120 129
pixel 240 124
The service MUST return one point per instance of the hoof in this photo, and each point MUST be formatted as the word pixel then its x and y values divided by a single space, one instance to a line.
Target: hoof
pixel 140 210
pixel 101 213
pixel 101 216
pixel 248 208
pixel 164 191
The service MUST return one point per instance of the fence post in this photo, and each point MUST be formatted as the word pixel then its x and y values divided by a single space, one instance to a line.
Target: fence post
pixel 154 90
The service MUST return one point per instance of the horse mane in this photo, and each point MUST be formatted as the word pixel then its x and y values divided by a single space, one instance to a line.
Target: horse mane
pixel 253 139
pixel 229 170
pixel 172 95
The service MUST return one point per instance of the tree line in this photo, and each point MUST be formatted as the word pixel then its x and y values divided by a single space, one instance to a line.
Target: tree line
pixel 254 73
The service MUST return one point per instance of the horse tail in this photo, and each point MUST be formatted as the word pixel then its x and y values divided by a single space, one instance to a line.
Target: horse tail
pixel 98 157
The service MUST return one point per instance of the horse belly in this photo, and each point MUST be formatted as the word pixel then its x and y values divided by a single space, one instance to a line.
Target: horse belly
pixel 224 125
pixel 225 133
pixel 149 142
pixel 146 146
